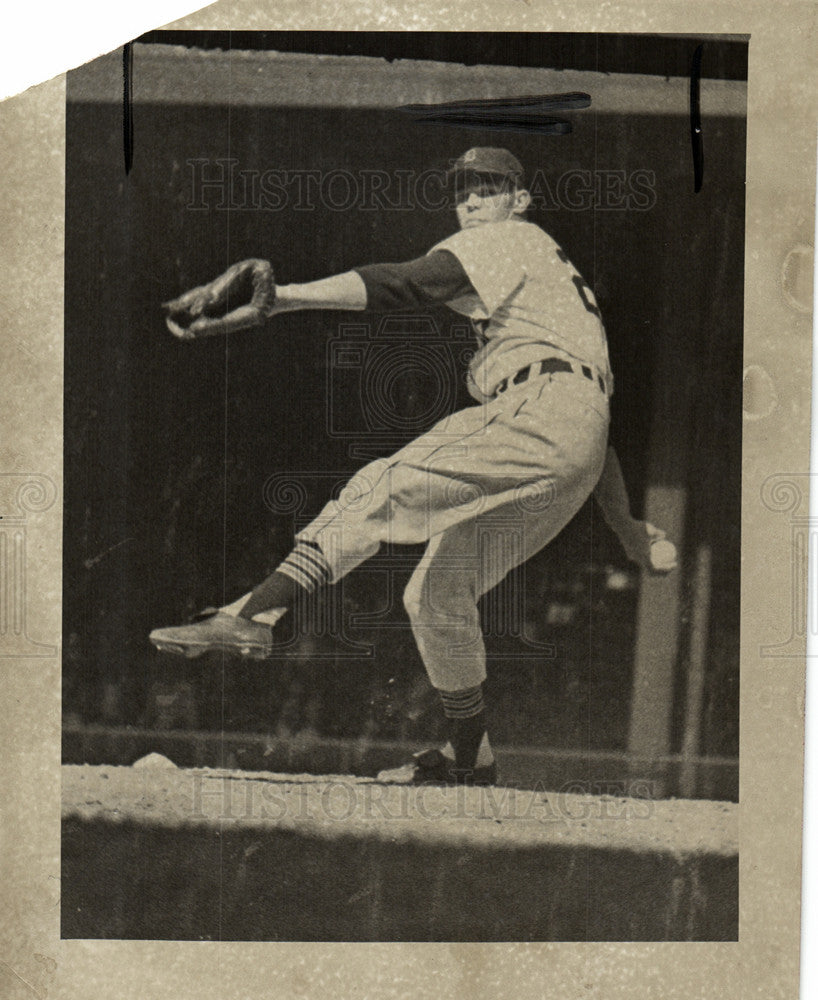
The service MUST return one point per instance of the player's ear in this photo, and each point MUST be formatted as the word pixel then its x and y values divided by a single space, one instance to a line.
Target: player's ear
pixel 522 199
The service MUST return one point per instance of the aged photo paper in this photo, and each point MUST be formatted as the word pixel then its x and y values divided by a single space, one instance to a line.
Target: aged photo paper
pixel 404 505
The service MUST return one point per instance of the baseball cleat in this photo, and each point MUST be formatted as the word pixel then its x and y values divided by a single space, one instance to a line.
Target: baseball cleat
pixel 430 767
pixel 218 632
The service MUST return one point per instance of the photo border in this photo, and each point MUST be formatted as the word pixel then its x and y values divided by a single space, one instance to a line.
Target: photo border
pixel 779 218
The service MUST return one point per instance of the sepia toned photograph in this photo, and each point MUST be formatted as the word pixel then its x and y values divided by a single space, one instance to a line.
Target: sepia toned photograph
pixel 402 498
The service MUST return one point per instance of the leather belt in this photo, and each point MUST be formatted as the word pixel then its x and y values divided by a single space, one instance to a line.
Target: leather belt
pixel 547 367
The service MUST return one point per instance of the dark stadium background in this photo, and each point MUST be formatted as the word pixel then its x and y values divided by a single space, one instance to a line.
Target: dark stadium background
pixel 169 446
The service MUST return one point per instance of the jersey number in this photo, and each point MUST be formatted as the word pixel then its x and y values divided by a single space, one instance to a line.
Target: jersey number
pixel 582 288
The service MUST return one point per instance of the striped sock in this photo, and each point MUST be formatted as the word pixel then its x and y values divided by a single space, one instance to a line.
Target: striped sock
pixel 468 740
pixel 307 566
pixel 462 704
pixel 303 571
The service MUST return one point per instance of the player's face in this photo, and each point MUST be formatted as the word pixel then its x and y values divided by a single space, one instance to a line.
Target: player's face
pixel 480 199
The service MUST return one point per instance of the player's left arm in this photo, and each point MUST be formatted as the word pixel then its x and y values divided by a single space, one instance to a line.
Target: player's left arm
pixel 429 280
pixel 638 538
pixel 434 279
pixel 204 311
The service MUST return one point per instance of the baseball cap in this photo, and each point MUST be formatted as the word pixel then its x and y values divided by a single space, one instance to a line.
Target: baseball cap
pixel 488 160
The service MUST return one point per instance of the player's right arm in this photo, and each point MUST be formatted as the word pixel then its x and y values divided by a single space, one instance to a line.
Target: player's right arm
pixel 637 537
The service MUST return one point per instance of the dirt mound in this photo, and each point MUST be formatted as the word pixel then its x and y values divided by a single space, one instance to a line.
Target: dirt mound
pixel 334 805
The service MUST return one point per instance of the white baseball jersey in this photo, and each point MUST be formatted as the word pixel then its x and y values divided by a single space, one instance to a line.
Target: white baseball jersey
pixel 531 303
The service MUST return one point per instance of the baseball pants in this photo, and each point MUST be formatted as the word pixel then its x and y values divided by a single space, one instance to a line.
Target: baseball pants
pixel 486 487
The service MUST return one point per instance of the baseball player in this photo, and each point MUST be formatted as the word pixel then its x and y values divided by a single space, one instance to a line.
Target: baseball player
pixel 485 488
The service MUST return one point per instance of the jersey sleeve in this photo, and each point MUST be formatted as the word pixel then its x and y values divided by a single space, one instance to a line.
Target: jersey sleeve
pixel 436 278
pixel 494 258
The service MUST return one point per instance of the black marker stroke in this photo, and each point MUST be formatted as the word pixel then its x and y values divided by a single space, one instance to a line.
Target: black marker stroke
pixel 530 114
pixel 127 105
pixel 696 119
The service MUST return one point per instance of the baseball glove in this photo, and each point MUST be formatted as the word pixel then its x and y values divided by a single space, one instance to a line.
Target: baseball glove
pixel 244 296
